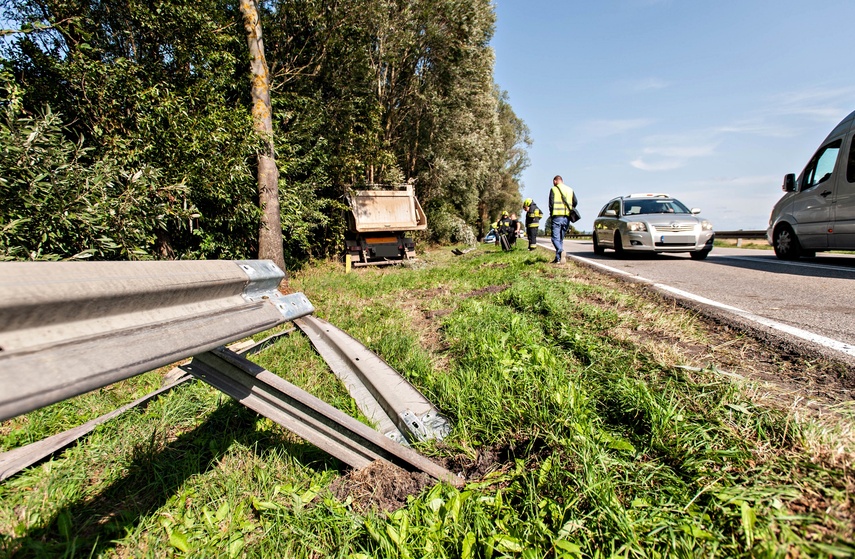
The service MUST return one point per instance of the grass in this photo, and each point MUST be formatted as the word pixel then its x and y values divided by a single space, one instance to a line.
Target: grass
pixel 753 243
pixel 600 445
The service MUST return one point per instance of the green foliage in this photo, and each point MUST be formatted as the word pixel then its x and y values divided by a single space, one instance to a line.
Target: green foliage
pixel 362 92
pixel 61 199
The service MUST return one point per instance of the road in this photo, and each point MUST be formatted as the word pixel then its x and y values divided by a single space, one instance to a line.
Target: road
pixel 812 299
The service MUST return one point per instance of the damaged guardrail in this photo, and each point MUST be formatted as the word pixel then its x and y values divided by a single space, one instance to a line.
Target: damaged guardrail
pixel 69 328
pixel 401 412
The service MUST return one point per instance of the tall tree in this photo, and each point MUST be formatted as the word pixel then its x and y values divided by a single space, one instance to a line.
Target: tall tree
pixel 509 157
pixel 270 230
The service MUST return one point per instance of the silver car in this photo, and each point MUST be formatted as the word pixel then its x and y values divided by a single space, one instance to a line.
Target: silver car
pixel 652 223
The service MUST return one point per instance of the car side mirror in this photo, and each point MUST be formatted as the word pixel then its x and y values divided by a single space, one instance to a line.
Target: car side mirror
pixel 789 183
pixel 610 213
pixel 695 210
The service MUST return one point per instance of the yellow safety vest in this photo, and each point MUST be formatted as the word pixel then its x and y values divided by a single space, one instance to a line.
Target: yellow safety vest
pixel 558 206
pixel 533 217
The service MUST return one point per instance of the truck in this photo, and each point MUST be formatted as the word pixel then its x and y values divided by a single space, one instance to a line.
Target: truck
pixel 378 222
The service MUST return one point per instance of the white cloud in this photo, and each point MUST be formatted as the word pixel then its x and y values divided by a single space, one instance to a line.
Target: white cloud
pixel 664 165
pixel 612 127
pixel 738 182
pixel 757 127
pixel 682 152
pixel 669 153
pixel 789 114
pixel 820 103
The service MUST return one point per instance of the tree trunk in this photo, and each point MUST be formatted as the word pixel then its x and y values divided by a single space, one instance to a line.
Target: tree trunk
pixel 270 232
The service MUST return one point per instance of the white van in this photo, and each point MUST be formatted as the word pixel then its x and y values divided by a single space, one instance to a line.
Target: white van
pixel 818 210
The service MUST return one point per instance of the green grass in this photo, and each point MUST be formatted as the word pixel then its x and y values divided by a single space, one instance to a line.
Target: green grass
pixel 754 243
pixel 603 447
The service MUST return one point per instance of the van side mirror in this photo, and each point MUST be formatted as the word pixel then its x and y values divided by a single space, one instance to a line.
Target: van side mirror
pixel 610 213
pixel 695 210
pixel 789 183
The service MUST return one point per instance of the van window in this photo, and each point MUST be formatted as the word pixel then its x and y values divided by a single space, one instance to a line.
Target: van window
pixel 850 169
pixel 821 166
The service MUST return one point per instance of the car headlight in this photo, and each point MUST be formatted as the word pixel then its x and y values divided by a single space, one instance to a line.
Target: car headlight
pixel 636 226
pixel 706 225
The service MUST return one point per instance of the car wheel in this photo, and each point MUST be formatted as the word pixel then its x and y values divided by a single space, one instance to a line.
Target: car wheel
pixel 699 255
pixel 787 246
pixel 619 252
pixel 598 249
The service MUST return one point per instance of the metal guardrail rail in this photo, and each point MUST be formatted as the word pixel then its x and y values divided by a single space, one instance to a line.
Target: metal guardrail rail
pixel 742 234
pixel 401 412
pixel 68 328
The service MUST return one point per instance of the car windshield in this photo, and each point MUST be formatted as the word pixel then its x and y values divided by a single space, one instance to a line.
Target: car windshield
pixel 654 206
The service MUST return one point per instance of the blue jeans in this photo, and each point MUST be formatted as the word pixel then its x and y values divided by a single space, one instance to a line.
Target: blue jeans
pixel 559 228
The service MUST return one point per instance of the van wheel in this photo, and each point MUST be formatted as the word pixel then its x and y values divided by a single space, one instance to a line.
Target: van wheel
pixel 699 255
pixel 787 246
pixel 619 252
pixel 598 249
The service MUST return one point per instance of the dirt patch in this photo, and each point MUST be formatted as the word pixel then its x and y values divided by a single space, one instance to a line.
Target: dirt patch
pixel 380 486
pixel 424 320
pixel 486 461
pixel 430 315
pixel 427 294
pixel 485 291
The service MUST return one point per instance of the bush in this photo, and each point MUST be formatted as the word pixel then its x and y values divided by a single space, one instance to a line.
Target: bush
pixel 61 200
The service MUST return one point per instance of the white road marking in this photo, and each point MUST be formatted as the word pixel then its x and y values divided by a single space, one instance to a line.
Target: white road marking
pixel 783 263
pixel 836 345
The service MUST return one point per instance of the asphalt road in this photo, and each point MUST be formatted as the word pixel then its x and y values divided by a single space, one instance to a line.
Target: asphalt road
pixel 810 297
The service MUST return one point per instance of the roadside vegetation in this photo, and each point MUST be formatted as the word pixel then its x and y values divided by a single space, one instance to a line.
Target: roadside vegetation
pixel 590 418
pixel 128 130
pixel 753 243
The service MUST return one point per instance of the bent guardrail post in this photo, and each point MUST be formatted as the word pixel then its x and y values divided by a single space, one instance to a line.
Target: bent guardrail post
pixel 326 427
pixel 70 327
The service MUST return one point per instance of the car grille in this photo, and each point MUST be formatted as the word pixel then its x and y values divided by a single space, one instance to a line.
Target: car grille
pixel 674 227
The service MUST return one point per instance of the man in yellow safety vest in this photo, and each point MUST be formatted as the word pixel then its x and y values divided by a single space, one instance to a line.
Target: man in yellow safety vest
pixel 562 199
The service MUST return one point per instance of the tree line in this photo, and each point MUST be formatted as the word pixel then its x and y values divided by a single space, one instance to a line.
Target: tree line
pixel 127 127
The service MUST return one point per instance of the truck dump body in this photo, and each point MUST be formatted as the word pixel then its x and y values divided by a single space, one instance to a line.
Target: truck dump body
pixel 377 223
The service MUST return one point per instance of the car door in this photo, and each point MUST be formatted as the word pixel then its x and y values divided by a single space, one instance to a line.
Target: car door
pixel 812 207
pixel 605 225
pixel 843 227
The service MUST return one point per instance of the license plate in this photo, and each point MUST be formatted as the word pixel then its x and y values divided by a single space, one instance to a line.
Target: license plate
pixel 676 239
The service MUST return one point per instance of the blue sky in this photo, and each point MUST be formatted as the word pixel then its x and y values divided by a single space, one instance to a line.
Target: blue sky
pixel 709 101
